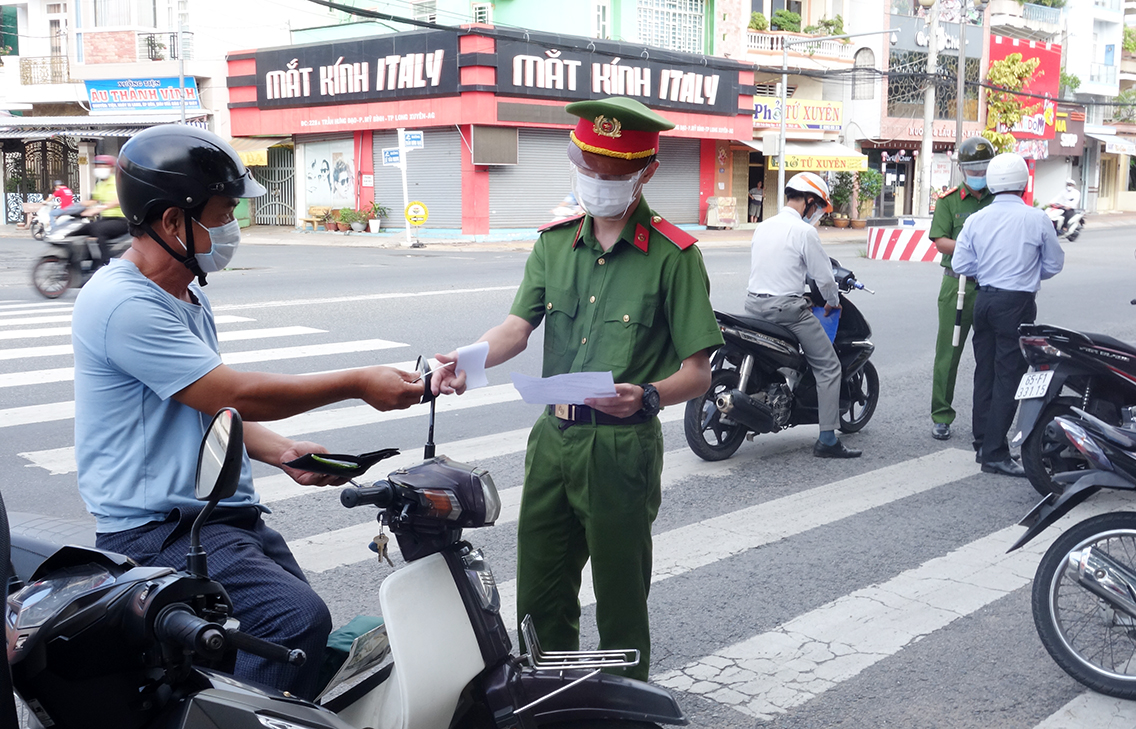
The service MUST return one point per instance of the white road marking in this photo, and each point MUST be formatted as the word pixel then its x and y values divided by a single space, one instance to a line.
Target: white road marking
pixel 33 309
pixel 16 305
pixel 59 461
pixel 236 335
pixel 360 297
pixel 687 548
pixel 35 333
pixel 66 374
pixel 1093 710
pixel 773 672
pixel 66 318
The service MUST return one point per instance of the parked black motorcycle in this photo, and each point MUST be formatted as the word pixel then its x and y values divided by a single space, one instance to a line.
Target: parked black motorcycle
pixel 74 258
pixel 1084 591
pixel 762 382
pixel 1094 372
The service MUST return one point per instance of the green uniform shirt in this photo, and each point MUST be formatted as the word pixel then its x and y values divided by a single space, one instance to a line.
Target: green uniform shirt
pixel 637 313
pixel 952 210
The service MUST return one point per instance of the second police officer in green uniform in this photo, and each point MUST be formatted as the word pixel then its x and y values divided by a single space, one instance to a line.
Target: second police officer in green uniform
pixel 622 290
pixel 952 210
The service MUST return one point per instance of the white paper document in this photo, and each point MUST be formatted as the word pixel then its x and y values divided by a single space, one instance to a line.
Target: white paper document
pixel 471 359
pixel 569 389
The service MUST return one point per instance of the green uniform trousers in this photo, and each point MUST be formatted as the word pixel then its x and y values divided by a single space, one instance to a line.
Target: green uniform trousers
pixel 591 491
pixel 947 357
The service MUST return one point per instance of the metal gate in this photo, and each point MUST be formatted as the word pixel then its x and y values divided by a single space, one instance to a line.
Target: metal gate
pixel 433 177
pixel 31 167
pixel 673 191
pixel 278 205
pixel 523 195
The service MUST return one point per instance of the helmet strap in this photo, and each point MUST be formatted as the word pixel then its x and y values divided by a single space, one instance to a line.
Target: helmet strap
pixel 188 259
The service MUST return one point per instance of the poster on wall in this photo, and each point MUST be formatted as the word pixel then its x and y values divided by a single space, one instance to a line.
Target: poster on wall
pixel 1038 123
pixel 330 173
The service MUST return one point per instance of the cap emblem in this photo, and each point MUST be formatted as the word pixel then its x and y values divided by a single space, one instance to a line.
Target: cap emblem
pixel 606 127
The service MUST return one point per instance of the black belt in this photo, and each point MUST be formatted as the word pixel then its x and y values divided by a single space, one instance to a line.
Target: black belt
pixel 994 289
pixel 584 414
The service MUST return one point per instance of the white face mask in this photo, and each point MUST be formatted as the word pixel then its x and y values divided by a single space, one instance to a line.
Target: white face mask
pixel 225 240
pixel 102 174
pixel 815 217
pixel 605 198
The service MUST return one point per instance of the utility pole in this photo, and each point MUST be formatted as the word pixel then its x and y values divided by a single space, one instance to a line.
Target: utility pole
pixel 181 58
pixel 927 152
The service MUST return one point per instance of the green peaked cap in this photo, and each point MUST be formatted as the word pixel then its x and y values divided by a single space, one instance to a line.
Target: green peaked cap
pixel 632 115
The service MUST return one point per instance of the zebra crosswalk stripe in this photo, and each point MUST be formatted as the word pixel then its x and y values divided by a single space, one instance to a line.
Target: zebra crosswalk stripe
pixel 1092 710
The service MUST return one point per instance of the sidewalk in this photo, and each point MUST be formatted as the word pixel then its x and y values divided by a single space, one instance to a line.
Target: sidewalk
pixel 518 241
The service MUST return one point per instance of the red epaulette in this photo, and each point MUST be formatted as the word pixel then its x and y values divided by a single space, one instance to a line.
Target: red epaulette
pixel 673 233
pixel 559 223
pixel 948 192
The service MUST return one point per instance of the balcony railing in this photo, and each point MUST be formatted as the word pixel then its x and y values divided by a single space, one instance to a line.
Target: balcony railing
pixel 1113 5
pixel 164 46
pixel 1042 14
pixel 44 70
pixel 1102 74
pixel 767 42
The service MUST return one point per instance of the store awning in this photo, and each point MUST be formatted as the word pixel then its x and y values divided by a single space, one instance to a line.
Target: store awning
pixel 253 151
pixel 33 133
pixel 814 156
pixel 1115 145
pixel 31 128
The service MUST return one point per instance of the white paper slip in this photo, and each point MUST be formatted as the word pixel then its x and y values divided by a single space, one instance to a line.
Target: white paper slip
pixel 471 359
pixel 570 389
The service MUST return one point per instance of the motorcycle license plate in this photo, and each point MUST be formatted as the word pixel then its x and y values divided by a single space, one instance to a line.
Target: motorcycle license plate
pixel 1033 384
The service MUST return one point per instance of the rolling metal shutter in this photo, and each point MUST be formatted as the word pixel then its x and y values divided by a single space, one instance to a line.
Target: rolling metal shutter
pixel 673 191
pixel 433 177
pixel 523 195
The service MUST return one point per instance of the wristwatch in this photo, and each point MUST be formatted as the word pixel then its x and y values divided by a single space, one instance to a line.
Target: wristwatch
pixel 651 403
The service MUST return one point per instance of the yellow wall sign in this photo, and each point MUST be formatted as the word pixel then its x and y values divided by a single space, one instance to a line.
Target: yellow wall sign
pixel 820 163
pixel 416 213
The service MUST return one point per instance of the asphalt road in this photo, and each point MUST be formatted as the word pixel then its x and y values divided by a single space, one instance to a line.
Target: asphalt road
pixel 790 591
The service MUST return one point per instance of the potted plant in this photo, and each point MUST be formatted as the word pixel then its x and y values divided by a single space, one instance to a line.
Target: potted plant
pixel 353 218
pixel 342 218
pixel 842 187
pixel 328 221
pixel 869 183
pixel 375 214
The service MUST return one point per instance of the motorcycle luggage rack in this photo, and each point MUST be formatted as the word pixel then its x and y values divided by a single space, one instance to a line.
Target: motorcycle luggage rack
pixel 541 660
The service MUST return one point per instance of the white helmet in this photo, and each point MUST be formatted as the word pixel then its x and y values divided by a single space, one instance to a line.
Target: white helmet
pixel 1070 182
pixel 1007 173
pixel 812 183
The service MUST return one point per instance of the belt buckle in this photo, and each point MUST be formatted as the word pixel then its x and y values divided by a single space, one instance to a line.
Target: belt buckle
pixel 564 412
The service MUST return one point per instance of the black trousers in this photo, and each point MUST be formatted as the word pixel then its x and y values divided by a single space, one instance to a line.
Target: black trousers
pixel 998 366
pixel 106 230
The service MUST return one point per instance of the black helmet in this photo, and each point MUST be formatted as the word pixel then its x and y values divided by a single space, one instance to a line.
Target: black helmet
pixel 975 152
pixel 178 166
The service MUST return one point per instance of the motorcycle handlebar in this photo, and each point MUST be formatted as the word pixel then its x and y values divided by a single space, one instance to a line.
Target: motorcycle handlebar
pixel 178 625
pixel 264 649
pixel 378 494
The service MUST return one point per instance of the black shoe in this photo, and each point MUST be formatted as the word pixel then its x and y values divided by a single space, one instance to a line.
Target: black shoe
pixel 1008 467
pixel 941 431
pixel 836 450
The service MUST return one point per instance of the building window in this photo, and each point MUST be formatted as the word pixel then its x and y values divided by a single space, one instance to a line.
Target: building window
pixel 426 11
pixel 483 13
pixel 864 81
pixel 111 12
pixel 676 25
pixel 602 27
pixel 148 13
pixel 56 8
pixel 1132 174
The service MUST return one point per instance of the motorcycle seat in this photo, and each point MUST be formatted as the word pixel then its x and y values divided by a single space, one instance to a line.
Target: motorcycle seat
pixel 758 325
pixel 1103 340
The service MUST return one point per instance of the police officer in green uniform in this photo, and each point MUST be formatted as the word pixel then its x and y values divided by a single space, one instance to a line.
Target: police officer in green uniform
pixel 622 290
pixel 952 210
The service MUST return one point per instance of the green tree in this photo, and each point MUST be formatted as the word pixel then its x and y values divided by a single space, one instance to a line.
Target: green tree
pixel 757 21
pixel 785 20
pixel 1069 81
pixel 1125 109
pixel 1003 108
pixel 1129 43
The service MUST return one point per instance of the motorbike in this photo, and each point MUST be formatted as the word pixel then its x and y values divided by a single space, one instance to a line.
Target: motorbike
pixel 74 258
pixel 1084 591
pixel 761 381
pixel 92 634
pixel 1094 372
pixel 1076 224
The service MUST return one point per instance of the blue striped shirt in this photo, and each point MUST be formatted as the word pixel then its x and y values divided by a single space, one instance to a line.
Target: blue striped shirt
pixel 1008 245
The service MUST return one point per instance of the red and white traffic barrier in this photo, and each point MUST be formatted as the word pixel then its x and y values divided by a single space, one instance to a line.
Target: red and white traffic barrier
pixel 902 243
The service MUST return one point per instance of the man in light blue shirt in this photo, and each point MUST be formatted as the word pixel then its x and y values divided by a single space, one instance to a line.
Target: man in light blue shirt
pixel 1009 248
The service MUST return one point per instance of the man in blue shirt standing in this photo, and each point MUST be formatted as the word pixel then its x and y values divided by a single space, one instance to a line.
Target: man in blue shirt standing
pixel 1009 248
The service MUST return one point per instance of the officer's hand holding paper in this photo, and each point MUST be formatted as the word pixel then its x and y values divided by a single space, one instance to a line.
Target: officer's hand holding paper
pixel 572 388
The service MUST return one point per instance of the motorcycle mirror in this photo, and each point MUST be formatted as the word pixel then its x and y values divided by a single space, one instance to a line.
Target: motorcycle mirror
pixel 220 457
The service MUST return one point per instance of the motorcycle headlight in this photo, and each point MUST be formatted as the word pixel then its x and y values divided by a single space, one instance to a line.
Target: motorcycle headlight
pixel 481 578
pixel 35 604
pixel 489 493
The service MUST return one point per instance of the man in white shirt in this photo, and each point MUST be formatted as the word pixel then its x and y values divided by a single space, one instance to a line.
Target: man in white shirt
pixel 1068 200
pixel 785 249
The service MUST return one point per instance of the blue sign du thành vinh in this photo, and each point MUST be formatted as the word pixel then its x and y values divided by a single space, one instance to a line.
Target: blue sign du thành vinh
pixel 137 94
